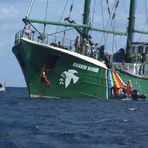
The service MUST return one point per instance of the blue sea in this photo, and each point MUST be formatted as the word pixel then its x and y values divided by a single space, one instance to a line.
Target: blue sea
pixel 71 123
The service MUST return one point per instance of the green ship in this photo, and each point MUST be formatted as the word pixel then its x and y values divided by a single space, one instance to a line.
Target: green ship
pixel 77 72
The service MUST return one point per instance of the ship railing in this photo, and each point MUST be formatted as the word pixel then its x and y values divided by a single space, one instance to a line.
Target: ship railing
pixel 134 68
pixel 61 42
pixel 18 36
pixel 23 33
pixel 58 41
pixel 52 40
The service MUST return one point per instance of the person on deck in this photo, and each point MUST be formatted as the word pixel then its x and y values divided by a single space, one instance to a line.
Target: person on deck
pixel 44 79
pixel 77 44
pixel 28 32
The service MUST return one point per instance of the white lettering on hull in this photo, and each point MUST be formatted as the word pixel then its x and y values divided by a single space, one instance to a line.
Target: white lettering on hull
pixel 84 67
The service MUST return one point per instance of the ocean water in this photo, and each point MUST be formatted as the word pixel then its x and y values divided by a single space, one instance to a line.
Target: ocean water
pixel 71 123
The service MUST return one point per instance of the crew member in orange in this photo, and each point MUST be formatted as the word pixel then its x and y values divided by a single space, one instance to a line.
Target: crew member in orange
pixel 44 79
pixel 129 88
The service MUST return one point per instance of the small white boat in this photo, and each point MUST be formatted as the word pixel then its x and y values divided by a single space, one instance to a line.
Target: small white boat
pixel 2 87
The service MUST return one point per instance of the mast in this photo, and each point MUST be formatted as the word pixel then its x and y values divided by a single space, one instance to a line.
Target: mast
pixel 86 17
pixel 130 28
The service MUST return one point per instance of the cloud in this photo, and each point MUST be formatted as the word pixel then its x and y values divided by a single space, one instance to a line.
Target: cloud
pixel 9 12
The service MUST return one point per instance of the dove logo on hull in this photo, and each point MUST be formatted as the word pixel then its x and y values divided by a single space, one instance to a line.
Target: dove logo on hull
pixel 68 77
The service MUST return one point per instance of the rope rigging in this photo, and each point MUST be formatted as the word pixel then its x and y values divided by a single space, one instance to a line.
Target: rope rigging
pixel 60 21
pixel 71 8
pixel 146 6
pixel 111 19
pixel 62 14
pixel 46 10
pixel 145 27
pixel 30 8
pixel 104 36
pixel 93 15
pixel 108 8
pixel 70 11
pixel 114 25
pixel 102 15
pixel 111 14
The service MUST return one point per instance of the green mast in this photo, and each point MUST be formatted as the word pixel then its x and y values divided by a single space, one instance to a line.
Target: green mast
pixel 130 29
pixel 86 17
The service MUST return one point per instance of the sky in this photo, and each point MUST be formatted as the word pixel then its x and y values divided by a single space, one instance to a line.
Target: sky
pixel 12 12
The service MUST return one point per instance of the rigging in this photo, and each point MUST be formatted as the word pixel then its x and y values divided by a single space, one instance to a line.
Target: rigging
pixel 30 8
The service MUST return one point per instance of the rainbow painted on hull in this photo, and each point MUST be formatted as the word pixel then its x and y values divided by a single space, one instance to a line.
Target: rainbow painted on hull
pixel 114 78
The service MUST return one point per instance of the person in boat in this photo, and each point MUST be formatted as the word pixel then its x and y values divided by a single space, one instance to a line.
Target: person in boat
pixel 129 88
pixel 135 95
pixel 77 44
pixel 44 79
pixel 124 91
pixel 116 90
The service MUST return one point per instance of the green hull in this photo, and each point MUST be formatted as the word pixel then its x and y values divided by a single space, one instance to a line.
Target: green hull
pixel 71 75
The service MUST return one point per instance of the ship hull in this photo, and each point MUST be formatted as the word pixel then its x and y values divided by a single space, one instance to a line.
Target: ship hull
pixel 71 75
